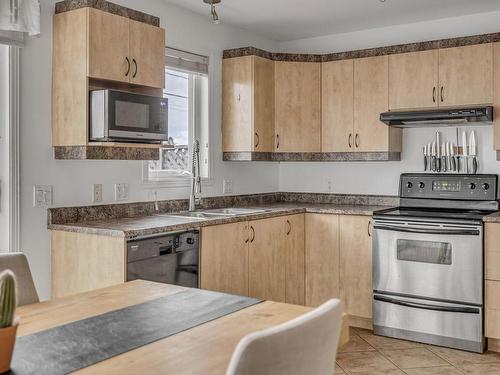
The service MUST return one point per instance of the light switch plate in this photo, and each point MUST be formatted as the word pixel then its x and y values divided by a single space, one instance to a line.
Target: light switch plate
pixel 97 193
pixel 227 186
pixel 121 192
pixel 42 195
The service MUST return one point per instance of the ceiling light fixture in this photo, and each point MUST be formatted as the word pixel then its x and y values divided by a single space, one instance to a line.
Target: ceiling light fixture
pixel 213 12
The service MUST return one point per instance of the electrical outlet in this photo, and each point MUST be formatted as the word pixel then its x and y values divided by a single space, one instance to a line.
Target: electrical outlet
pixel 97 193
pixel 227 186
pixel 42 195
pixel 329 184
pixel 121 192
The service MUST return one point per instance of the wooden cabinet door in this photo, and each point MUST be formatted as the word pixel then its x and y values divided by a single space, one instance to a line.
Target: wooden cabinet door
pixel 466 75
pixel 295 258
pixel 266 267
pixel 224 258
pixel 322 258
pixel 356 265
pixel 298 102
pixel 147 54
pixel 337 90
pixel 108 46
pixel 371 97
pixel 263 111
pixel 413 80
pixel 237 80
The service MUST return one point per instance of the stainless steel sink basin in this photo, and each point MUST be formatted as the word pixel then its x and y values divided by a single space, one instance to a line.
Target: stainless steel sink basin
pixel 235 211
pixel 199 215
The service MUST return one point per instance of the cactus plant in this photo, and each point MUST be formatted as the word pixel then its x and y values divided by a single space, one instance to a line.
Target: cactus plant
pixel 8 298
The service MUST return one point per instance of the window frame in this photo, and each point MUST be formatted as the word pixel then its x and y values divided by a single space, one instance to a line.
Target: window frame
pixel 167 179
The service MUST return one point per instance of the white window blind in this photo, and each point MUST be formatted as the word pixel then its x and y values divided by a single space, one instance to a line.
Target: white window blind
pixel 186 61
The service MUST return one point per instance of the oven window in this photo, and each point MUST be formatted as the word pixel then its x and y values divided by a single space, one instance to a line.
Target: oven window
pixel 424 251
pixel 131 115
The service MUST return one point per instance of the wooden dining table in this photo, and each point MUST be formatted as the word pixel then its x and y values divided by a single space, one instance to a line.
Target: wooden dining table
pixel 204 349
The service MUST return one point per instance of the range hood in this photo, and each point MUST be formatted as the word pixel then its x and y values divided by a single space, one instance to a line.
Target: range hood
pixel 439 117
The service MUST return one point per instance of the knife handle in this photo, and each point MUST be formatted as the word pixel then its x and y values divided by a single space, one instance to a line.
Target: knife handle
pixel 438 164
pixel 443 163
pixel 433 163
pixel 425 163
pixel 474 165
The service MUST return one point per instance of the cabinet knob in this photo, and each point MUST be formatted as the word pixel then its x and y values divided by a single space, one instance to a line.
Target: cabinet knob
pixel 442 94
pixel 434 94
pixel 277 141
pixel 257 139
pixel 289 227
pixel 349 140
pixel 369 229
pixel 356 140
pixel 253 234
pixel 128 66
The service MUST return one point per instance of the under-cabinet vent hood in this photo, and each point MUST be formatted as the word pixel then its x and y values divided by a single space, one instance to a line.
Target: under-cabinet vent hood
pixel 439 117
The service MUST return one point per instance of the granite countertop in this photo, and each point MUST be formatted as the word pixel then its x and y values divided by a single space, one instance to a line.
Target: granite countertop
pixel 492 218
pixel 139 226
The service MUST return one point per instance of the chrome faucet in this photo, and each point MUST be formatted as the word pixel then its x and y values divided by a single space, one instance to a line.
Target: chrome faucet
pixel 195 196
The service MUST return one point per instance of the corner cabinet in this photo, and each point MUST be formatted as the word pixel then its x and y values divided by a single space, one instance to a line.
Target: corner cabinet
pixel 298 106
pixel 247 104
pixel 95 49
pixel 260 258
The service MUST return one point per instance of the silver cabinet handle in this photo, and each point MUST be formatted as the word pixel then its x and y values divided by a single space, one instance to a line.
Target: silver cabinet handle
pixel 289 227
pixel 442 94
pixel 434 94
pixel 277 141
pixel 253 234
pixel 238 97
pixel 135 71
pixel 258 140
pixel 128 66
pixel 356 140
pixel 369 229
pixel 349 140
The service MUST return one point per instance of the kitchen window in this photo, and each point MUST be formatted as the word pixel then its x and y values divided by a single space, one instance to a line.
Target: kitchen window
pixel 186 87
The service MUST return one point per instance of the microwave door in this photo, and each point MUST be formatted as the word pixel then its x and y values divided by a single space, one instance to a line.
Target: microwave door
pixel 137 117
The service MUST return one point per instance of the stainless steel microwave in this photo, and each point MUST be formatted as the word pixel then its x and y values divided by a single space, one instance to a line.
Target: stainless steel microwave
pixel 126 117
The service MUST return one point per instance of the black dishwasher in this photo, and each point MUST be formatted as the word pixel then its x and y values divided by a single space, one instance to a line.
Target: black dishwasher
pixel 171 258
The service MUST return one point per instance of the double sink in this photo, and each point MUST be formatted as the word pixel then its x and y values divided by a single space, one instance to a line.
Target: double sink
pixel 216 213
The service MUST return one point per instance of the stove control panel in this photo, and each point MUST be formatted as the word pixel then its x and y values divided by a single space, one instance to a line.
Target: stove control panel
pixel 478 187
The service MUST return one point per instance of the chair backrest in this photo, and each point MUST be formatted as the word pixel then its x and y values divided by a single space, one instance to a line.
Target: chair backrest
pixel 306 345
pixel 17 263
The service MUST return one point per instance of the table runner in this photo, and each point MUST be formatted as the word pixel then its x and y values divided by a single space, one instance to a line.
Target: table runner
pixel 76 345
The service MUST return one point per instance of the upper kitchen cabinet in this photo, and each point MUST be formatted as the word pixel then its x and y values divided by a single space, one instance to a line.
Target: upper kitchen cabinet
pixel 371 97
pixel 413 80
pixel 466 75
pixel 337 112
pixel 298 106
pixel 248 104
pixel 124 50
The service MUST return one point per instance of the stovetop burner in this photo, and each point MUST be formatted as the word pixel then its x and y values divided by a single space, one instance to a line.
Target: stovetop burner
pixel 419 213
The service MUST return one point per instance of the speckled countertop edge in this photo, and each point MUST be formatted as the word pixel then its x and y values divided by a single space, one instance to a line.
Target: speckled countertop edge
pixel 111 227
pixel 492 218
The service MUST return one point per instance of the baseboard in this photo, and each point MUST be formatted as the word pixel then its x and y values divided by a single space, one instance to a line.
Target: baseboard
pixel 494 345
pixel 360 322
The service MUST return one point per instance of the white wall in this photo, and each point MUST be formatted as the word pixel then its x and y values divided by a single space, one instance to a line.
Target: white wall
pixel 382 177
pixel 72 180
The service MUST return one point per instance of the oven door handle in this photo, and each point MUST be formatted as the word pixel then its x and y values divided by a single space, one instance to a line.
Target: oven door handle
pixel 456 232
pixel 426 306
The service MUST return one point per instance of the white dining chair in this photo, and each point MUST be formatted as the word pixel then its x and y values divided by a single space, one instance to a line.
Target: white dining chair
pixel 18 263
pixel 306 345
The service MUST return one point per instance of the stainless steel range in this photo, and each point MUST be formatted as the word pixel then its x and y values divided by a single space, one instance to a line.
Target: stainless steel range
pixel 428 260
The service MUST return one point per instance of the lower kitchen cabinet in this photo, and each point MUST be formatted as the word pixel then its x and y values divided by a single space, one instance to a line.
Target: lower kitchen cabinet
pixel 266 260
pixel 224 258
pixel 356 267
pixel 322 258
pixel 492 283
pixel 260 258
pixel 82 262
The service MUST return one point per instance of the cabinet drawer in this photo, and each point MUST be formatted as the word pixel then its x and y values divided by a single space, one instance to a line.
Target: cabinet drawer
pixel 492 328
pixel 492 293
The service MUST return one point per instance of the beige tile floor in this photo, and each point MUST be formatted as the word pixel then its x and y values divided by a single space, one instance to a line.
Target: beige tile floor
pixel 367 354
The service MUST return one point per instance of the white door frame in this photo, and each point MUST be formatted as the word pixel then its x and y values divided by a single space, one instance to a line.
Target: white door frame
pixel 14 172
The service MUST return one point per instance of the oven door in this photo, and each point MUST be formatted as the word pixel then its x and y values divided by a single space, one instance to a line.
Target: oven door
pixel 430 260
pixel 137 117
